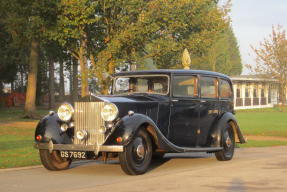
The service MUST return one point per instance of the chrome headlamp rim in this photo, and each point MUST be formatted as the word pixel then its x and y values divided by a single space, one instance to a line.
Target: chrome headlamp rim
pixel 65 112
pixel 109 112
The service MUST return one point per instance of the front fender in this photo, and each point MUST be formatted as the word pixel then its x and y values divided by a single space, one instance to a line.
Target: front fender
pixel 49 129
pixel 221 124
pixel 127 127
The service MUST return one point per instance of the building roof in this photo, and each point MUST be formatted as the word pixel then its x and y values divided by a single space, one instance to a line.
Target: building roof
pixel 252 78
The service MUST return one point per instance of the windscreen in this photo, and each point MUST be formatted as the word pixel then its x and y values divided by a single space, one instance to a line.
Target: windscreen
pixel 141 84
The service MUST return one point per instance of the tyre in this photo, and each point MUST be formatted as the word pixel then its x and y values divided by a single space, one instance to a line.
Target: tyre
pixel 228 144
pixel 53 161
pixel 137 155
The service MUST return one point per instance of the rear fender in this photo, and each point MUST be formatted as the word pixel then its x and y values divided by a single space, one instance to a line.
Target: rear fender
pixel 226 118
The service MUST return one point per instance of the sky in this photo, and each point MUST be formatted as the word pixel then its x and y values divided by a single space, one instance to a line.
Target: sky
pixel 252 21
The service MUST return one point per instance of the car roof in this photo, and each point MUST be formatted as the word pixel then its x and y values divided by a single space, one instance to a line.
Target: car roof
pixel 172 71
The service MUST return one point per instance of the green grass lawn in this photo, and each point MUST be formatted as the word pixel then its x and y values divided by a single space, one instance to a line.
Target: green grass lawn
pixel 16 114
pixel 264 143
pixel 265 122
pixel 17 138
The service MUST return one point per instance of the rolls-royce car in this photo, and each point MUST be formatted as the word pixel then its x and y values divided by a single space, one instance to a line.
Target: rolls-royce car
pixel 147 114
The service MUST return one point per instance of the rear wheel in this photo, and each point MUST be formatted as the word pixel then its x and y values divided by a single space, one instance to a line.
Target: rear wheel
pixel 53 161
pixel 228 144
pixel 136 158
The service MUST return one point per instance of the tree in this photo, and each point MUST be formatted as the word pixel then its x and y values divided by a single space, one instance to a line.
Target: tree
pixel 135 31
pixel 223 56
pixel 74 20
pixel 271 59
pixel 26 22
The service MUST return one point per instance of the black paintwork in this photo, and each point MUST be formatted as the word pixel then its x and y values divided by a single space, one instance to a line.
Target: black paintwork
pixel 180 124
pixel 49 129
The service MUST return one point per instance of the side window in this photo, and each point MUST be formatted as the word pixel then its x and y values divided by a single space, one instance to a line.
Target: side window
pixel 208 86
pixel 185 86
pixel 225 90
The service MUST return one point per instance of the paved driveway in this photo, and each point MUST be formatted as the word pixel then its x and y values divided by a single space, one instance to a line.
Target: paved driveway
pixel 252 169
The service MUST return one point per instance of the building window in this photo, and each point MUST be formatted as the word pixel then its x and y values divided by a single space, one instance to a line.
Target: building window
pixel 262 93
pixel 246 92
pixel 238 93
pixel 255 93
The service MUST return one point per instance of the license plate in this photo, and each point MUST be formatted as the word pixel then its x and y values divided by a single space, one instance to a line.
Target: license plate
pixel 73 154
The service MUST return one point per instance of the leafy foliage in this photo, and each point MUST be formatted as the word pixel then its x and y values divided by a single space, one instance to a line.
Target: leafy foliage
pixel 106 34
pixel 223 56
pixel 271 58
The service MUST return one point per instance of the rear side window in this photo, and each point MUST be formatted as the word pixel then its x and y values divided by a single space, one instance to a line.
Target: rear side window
pixel 208 87
pixel 185 86
pixel 225 90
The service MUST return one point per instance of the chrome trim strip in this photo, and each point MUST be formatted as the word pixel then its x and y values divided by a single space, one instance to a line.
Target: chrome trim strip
pixel 71 147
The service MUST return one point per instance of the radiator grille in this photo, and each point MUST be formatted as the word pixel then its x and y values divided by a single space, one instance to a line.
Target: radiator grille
pixel 88 117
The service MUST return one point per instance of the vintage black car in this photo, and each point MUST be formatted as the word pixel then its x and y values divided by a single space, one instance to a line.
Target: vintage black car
pixel 148 113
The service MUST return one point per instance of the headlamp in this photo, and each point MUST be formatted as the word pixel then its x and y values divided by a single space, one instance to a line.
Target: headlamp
pixel 109 112
pixel 65 112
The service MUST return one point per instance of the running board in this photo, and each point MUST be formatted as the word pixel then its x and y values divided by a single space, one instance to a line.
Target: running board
pixel 203 149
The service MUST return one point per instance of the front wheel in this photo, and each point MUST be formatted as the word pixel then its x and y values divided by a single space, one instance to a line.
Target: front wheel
pixel 136 158
pixel 228 144
pixel 53 161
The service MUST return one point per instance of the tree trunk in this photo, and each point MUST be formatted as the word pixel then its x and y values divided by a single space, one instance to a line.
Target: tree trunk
pixel 62 83
pixel 83 68
pixel 39 85
pixel 75 80
pixel 30 107
pixel 51 84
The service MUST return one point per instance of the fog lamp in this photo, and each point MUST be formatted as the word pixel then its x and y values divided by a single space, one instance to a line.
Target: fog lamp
pixel 81 135
pixel 64 127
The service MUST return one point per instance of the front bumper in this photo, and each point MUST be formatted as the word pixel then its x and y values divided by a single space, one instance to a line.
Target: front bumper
pixel 72 147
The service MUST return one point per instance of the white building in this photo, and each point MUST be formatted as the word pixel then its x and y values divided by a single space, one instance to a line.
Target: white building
pixel 254 92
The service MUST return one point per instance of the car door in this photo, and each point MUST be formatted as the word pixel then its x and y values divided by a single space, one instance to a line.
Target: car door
pixel 184 107
pixel 209 108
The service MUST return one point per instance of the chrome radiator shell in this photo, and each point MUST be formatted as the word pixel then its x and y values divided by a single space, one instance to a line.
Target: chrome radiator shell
pixel 87 117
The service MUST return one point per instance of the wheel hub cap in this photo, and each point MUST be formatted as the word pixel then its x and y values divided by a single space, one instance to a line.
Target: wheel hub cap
pixel 140 151
pixel 228 141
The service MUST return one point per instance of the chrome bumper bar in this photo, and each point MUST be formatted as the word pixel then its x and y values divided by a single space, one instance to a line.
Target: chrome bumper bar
pixel 72 147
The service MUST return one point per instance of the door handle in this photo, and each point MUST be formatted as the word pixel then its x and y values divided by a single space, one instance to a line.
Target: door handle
pixel 202 101
pixel 174 100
